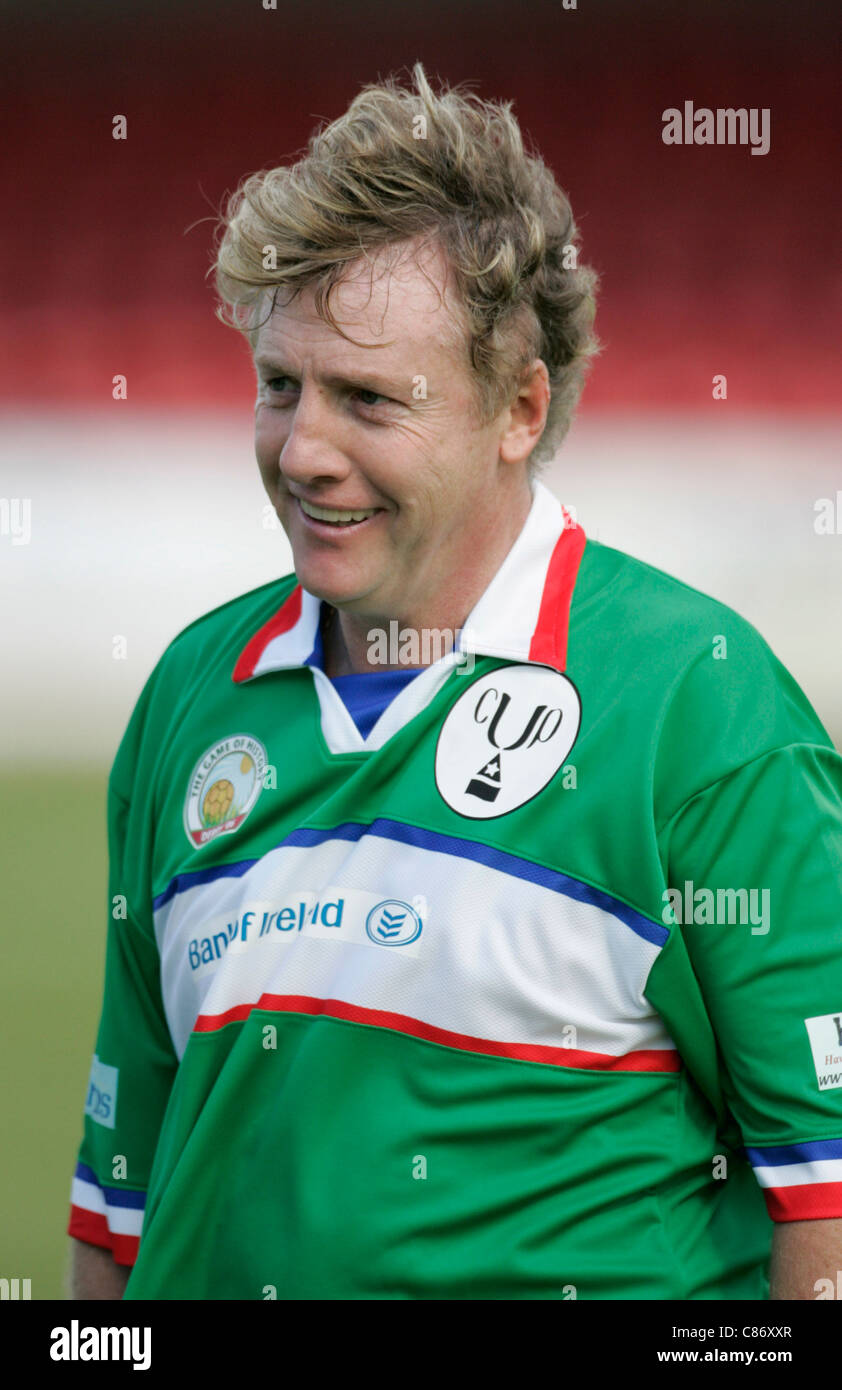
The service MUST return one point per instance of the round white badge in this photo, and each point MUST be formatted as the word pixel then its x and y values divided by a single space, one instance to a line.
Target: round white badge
pixel 505 739
pixel 224 786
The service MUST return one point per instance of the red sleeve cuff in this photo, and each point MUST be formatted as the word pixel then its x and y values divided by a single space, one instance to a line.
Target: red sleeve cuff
pixel 92 1228
pixel 817 1201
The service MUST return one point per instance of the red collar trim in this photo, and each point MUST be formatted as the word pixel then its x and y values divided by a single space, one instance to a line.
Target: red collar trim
pixel 549 640
pixel 493 628
pixel 282 621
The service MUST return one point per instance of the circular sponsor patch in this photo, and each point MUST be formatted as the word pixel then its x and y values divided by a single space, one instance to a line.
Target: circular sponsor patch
pixel 393 923
pixel 505 739
pixel 224 786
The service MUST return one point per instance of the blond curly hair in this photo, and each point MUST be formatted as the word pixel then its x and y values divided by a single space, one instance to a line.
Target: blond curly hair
pixel 401 163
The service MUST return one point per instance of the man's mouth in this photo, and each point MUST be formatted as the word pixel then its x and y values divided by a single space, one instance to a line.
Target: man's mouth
pixel 335 516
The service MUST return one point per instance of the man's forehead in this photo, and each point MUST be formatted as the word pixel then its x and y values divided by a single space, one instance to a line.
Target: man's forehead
pixel 401 300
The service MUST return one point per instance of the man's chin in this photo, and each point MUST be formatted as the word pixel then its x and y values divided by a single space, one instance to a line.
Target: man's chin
pixel 339 591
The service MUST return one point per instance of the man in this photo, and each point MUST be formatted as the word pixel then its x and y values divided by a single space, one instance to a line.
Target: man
pixel 507 972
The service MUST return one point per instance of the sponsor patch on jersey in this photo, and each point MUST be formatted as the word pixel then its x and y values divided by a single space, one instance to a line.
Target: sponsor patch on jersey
pixel 393 923
pixel 101 1103
pixel 224 787
pixel 825 1035
pixel 505 739
pixel 342 915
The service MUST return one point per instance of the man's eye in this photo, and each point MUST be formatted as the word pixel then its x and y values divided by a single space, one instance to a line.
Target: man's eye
pixel 369 397
pixel 280 383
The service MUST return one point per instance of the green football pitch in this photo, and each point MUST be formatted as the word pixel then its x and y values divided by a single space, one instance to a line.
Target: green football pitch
pixel 54 923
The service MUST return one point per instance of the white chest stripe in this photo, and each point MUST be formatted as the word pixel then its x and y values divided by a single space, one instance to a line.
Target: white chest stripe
pixel 485 955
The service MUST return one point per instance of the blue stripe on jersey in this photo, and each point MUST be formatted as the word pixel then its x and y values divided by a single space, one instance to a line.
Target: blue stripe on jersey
pixel 493 859
pixel 783 1154
pixel 182 882
pixel 556 882
pixel 114 1196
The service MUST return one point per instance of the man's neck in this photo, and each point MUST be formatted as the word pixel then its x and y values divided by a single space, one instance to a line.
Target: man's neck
pixel 399 640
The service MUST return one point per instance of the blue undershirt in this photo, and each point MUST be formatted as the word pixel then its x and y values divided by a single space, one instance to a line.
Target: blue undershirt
pixel 364 694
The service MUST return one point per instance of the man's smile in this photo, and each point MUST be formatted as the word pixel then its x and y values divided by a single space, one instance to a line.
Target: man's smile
pixel 340 515
pixel 324 519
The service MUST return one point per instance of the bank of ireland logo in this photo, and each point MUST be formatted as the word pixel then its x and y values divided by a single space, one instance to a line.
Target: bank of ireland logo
pixel 505 738
pixel 393 923
pixel 224 787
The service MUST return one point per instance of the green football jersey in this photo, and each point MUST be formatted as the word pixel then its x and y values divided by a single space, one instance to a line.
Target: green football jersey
pixel 534 992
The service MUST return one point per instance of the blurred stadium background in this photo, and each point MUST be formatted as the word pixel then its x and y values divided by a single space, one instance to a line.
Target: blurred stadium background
pixel 148 512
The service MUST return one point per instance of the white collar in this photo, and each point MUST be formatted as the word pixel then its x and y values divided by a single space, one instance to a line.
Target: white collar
pixel 522 615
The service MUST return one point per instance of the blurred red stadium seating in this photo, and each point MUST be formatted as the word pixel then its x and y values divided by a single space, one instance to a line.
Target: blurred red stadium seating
pixel 712 260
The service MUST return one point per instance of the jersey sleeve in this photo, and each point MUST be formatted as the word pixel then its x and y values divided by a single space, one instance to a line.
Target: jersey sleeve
pixel 134 1064
pixel 754 864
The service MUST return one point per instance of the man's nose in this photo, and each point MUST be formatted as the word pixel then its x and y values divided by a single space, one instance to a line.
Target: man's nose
pixel 313 448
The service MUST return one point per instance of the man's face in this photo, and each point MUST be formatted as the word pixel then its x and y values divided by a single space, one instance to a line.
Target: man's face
pixel 389 431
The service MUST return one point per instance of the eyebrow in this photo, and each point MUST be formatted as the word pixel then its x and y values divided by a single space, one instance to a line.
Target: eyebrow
pixel 367 380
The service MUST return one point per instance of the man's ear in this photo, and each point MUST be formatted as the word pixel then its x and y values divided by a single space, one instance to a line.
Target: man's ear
pixel 527 414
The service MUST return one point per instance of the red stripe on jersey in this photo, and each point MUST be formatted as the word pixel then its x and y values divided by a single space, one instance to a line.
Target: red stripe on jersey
pixel 92 1228
pixel 809 1201
pixel 653 1059
pixel 549 640
pixel 285 618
